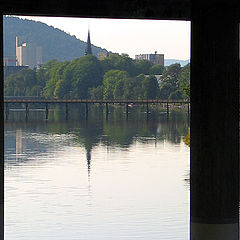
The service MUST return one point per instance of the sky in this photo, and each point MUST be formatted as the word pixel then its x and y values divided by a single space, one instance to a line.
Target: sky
pixel 171 38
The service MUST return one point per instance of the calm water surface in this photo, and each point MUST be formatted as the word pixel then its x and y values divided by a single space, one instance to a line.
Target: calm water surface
pixel 96 178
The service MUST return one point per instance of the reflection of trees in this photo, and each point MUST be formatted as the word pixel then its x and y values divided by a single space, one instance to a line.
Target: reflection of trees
pixel 114 131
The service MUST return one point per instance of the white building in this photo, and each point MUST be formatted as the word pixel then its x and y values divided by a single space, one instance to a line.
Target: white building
pixel 28 54
pixel 155 58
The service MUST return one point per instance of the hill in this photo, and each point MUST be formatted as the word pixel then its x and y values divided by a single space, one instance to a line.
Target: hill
pixel 55 43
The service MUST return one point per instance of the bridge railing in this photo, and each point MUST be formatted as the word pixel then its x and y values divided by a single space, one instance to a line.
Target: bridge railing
pixel 119 101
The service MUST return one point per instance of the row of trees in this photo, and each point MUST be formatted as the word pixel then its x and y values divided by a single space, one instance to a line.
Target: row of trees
pixel 114 77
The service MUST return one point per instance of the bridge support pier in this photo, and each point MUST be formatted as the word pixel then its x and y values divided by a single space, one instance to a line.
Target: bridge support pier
pixel 214 164
pixel 46 111
pixel 127 110
pixel 167 109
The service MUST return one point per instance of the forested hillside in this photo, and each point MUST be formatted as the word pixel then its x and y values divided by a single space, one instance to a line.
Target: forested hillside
pixel 56 44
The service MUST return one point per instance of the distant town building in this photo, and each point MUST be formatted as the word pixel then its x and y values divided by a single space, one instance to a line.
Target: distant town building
pixel 88 49
pixel 102 55
pixel 155 58
pixel 28 54
pixel 9 61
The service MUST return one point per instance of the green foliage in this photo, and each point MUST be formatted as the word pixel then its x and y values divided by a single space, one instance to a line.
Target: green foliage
pixel 110 80
pixel 156 69
pixel 176 95
pixel 23 83
pixel 144 66
pixel 87 77
pixel 174 79
pixel 82 74
pixel 96 93
pixel 150 87
pixel 119 62
pixel 187 139
pixel 184 81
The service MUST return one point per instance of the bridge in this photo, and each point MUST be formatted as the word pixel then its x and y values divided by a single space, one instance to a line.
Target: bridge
pixel 127 102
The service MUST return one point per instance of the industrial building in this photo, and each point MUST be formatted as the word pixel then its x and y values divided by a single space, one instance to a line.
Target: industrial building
pixel 155 58
pixel 28 54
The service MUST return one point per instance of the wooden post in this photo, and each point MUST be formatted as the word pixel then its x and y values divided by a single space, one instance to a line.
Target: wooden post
pixel 127 110
pixel 167 109
pixel 66 112
pixel 107 110
pixel 46 111
pixel 86 110
pixel 26 111
pixel 147 109
pixel 7 111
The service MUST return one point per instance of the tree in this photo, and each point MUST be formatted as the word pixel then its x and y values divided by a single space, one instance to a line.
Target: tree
pixel 23 83
pixel 143 66
pixel 157 69
pixel 170 80
pixel 52 72
pixel 96 93
pixel 110 80
pixel 150 87
pixel 119 62
pixel 184 81
pixel 81 75
pixel 176 95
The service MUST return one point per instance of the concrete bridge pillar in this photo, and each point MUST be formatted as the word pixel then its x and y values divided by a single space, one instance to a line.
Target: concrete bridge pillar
pixel 214 166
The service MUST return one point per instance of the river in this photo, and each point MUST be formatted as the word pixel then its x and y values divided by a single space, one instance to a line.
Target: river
pixel 97 178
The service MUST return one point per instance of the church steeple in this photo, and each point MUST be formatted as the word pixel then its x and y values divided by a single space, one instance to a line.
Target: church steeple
pixel 88 49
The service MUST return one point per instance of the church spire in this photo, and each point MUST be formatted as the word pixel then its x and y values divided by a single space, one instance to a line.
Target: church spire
pixel 88 49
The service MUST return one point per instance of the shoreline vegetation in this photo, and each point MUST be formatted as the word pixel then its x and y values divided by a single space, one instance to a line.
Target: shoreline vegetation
pixel 114 77
pixel 187 139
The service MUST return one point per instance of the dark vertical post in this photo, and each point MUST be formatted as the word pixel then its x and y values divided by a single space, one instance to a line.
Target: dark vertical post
pixel 147 109
pixel 66 111
pixel 2 136
pixel 26 111
pixel 86 110
pixel 214 166
pixel 7 111
pixel 167 109
pixel 46 111
pixel 127 110
pixel 107 109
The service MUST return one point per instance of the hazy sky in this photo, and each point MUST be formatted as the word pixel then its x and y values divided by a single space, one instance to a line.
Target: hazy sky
pixel 172 38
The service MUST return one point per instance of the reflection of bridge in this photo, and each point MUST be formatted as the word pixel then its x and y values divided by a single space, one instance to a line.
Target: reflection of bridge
pixel 26 101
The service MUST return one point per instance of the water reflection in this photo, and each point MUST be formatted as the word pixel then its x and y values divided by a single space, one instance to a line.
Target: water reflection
pixel 115 131
pixel 98 178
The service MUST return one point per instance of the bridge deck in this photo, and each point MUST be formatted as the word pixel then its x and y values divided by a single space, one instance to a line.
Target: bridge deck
pixel 118 101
